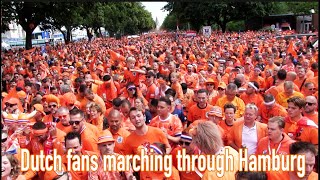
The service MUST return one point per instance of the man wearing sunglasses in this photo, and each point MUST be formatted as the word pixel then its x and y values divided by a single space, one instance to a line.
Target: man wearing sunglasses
pixel 12 106
pixel 53 105
pixel 310 110
pixel 88 137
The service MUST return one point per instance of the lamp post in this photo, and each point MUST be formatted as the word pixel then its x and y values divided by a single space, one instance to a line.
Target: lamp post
pixel 312 11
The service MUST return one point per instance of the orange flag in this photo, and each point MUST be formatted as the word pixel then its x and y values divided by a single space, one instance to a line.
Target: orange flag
pixel 292 50
pixel 116 56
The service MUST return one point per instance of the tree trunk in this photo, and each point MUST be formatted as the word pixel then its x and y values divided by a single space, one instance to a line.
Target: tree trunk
pixel 89 34
pixel 223 26
pixel 28 44
pixel 68 35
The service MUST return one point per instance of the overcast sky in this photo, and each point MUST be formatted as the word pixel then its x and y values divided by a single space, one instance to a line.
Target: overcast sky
pixel 155 9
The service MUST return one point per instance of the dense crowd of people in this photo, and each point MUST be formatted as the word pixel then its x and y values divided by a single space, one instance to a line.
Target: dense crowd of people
pixel 162 91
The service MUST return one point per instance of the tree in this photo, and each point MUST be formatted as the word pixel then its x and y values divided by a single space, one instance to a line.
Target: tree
pixel 208 13
pixel 28 14
pixel 63 14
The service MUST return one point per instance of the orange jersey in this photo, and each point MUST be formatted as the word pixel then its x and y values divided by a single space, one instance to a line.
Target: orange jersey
pixel 172 124
pixel 301 131
pixel 265 145
pixel 266 113
pixel 254 98
pixel 236 101
pixel 195 112
pixel 226 128
pixel 153 135
pixel 120 138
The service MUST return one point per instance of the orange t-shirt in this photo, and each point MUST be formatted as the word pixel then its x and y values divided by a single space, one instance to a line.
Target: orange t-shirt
pixel 172 124
pixel 120 138
pixel 133 141
pixel 313 117
pixel 177 87
pixel 300 131
pixel 195 112
pixel 254 98
pixel 133 77
pixel 266 114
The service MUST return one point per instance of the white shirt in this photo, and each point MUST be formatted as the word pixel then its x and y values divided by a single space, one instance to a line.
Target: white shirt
pixel 250 138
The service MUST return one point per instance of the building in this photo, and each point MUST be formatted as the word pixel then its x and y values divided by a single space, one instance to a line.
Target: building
pixel 303 23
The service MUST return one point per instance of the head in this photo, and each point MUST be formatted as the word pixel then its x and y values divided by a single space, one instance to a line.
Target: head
pixel 125 107
pixel 291 76
pixel 174 77
pixel 77 119
pixel 63 115
pixel 114 120
pixel 10 166
pixel 73 141
pixel 40 132
pixel 288 87
pixel 202 97
pixel 89 94
pixel 185 142
pixel 164 106
pixel 116 103
pixel 215 114
pixel 207 137
pixel 106 143
pixel 231 91
pixel 137 118
pixel 229 112
pixel 268 101
pixel 282 74
pixel 153 105
pixel 150 77
pixel 275 127
pixel 307 149
pixel 301 72
pixel 138 103
pixel 311 104
pixel 250 114
pixel 309 88
pixel 131 61
pixel 295 106
pixel 95 111
pixel 132 89
pixel 250 175
pixel 253 87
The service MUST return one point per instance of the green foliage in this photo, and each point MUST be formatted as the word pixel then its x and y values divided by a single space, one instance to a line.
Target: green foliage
pixel 236 26
pixel 208 13
pixel 116 17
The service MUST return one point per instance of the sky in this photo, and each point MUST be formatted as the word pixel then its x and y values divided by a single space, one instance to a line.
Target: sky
pixel 155 9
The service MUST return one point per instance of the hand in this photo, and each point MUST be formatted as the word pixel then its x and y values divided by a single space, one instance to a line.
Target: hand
pixel 53 131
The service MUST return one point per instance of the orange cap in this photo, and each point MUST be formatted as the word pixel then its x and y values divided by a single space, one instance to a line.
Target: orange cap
pixel 52 98
pixel 222 85
pixel 105 136
pixel 39 108
pixel 21 94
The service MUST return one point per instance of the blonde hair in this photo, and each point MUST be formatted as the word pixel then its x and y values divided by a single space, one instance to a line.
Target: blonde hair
pixel 207 137
pixel 252 106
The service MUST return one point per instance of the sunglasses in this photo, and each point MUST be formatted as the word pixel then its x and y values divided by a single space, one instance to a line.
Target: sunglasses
pixel 220 89
pixel 312 89
pixel 309 103
pixel 54 105
pixel 10 105
pixel 4 140
pixel 210 84
pixel 148 76
pixel 74 122
pixel 184 143
pixel 63 116
pixel 131 89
